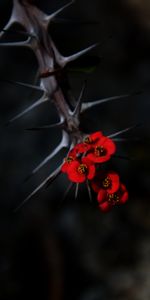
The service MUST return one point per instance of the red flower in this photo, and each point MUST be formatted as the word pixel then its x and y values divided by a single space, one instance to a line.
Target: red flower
pixel 88 142
pixel 68 160
pixel 102 151
pixel 107 201
pixel 81 148
pixel 79 171
pixel 93 138
pixel 108 181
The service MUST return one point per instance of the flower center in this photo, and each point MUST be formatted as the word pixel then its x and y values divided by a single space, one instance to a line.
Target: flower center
pixel 69 159
pixel 113 198
pixel 82 169
pixel 106 183
pixel 100 151
pixel 88 140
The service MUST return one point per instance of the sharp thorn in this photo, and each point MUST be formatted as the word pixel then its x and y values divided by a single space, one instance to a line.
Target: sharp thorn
pixel 76 191
pixel 89 190
pixel 7 27
pixel 62 60
pixel 53 15
pixel 63 144
pixel 67 191
pixel 27 85
pixel 34 105
pixel 59 58
pixel 88 105
pixel 77 109
pixel 49 179
pixel 126 140
pixel 66 60
pixel 18 32
pixel 123 131
pixel 16 44
pixel 56 125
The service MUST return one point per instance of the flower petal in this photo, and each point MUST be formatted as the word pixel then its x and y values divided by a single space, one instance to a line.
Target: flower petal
pixel 64 167
pixel 124 196
pixel 105 206
pixel 102 196
pixel 115 182
pixel 91 172
pixel 73 173
pixel 108 144
pixel 98 159
pixel 96 136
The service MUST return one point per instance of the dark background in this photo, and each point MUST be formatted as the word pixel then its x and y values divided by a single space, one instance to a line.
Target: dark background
pixel 72 247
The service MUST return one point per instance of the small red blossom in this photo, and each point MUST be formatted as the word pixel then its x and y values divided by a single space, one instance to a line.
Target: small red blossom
pixel 81 148
pixel 83 163
pixel 108 181
pixel 107 201
pixel 79 171
pixel 68 160
pixel 102 151
pixel 93 138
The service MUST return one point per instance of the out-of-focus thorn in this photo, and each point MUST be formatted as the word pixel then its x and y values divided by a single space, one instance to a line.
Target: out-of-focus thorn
pixel 63 61
pixel 34 105
pixel 56 125
pixel 77 109
pixel 76 191
pixel 89 190
pixel 74 21
pixel 123 131
pixel 49 180
pixel 63 144
pixel 49 18
pixel 88 105
pixel 66 193
pixel 17 44
pixel 27 85
pixel 27 34
pixel 126 140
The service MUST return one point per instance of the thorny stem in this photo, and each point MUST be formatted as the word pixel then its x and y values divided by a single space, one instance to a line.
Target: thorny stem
pixel 42 45
pixel 50 66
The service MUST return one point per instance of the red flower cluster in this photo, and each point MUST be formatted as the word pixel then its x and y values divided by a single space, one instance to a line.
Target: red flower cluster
pixel 84 163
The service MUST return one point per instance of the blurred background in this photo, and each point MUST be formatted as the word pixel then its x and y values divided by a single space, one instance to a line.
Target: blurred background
pixel 70 250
